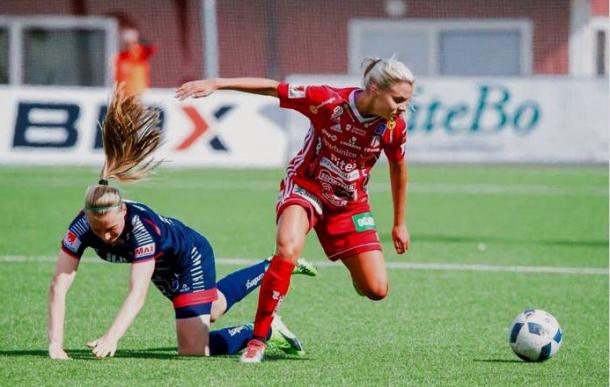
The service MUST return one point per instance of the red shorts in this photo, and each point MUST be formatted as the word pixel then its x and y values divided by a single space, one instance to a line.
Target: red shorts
pixel 342 232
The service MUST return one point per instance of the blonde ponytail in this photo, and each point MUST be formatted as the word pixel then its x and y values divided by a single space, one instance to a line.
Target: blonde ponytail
pixel 131 135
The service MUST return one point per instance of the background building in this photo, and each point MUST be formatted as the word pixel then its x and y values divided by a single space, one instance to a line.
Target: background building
pixel 275 38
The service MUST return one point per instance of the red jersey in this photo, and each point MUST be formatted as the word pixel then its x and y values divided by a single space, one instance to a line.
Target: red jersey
pixel 341 146
pixel 132 67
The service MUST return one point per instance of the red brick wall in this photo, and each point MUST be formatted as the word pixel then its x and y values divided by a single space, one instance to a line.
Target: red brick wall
pixel 310 35
pixel 179 42
pixel 599 7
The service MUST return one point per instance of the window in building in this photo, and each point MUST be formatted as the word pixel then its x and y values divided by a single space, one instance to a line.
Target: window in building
pixel 57 50
pixel 67 57
pixel 446 47
pixel 475 52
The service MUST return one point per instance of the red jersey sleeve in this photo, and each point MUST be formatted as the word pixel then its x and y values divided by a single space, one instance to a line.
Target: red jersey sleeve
pixel 396 137
pixel 304 99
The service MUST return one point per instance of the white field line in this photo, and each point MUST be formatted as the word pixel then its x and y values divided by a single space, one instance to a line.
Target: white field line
pixel 390 265
pixel 273 185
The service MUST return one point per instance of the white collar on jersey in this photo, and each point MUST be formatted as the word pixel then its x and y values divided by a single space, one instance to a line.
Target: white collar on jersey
pixel 352 105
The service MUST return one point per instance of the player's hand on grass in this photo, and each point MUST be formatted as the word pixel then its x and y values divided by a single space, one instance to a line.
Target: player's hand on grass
pixel 104 346
pixel 56 352
pixel 401 238
pixel 196 89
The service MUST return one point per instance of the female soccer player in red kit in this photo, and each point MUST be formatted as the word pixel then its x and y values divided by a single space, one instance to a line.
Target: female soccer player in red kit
pixel 325 186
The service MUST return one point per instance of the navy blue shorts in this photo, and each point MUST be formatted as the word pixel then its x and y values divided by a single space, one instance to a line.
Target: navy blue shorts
pixel 193 289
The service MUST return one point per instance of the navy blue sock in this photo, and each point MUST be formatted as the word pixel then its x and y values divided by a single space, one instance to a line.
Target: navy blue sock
pixel 240 283
pixel 228 341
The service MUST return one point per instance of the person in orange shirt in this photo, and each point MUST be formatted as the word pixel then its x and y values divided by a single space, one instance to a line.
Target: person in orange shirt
pixel 132 66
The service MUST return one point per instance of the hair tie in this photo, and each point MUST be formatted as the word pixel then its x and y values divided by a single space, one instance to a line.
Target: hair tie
pixel 371 65
pixel 103 182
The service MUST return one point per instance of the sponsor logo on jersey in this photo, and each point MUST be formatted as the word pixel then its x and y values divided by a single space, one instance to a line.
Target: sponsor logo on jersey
pixel 364 221
pixel 380 130
pixel 356 130
pixel 337 113
pixel 296 91
pixel 342 164
pixel 71 241
pixel 333 199
pixel 311 198
pixel 348 176
pixel 145 250
pixel 328 134
pixel 351 143
pixel 316 108
pixel 336 128
pixel 326 177
pixel 340 151
pixel 391 124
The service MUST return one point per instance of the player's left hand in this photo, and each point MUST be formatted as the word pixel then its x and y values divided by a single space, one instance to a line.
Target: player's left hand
pixel 401 238
pixel 104 346
pixel 196 89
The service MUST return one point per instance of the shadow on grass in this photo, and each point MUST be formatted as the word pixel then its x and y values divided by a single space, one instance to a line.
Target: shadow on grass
pixel 499 361
pixel 86 354
pixel 146 353
pixel 386 237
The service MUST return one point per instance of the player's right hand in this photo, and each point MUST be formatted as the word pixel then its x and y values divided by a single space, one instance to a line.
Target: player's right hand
pixel 56 352
pixel 196 89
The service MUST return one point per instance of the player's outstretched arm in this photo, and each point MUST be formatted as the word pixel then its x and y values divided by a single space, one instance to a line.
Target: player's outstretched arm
pixel 205 87
pixel 138 287
pixel 65 271
pixel 398 181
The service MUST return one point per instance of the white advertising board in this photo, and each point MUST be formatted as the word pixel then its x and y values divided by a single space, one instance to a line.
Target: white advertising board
pixel 521 120
pixel 60 126
pixel 524 120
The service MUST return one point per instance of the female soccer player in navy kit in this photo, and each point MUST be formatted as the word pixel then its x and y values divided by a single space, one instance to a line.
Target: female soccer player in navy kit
pixel 325 186
pixel 178 260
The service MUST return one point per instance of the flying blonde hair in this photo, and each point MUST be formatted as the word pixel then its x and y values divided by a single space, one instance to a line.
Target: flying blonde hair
pixel 131 135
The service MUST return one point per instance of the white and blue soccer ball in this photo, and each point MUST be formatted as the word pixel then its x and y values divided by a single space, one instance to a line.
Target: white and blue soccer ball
pixel 535 335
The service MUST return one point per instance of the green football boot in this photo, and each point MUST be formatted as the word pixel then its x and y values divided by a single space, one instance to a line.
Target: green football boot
pixel 282 338
pixel 303 267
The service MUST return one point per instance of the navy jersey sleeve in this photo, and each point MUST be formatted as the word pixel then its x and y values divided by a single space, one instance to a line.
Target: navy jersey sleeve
pixel 146 238
pixel 75 240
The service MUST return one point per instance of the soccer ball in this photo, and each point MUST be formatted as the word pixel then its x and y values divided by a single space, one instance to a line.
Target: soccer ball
pixel 535 335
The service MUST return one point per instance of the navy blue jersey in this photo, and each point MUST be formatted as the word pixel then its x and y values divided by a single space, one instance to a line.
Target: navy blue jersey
pixel 177 249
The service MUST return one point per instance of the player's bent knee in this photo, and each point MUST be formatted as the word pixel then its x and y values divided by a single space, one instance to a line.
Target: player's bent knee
pixel 193 351
pixel 189 347
pixel 288 247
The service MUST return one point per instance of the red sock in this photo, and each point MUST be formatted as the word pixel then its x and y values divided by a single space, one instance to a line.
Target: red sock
pixel 274 287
